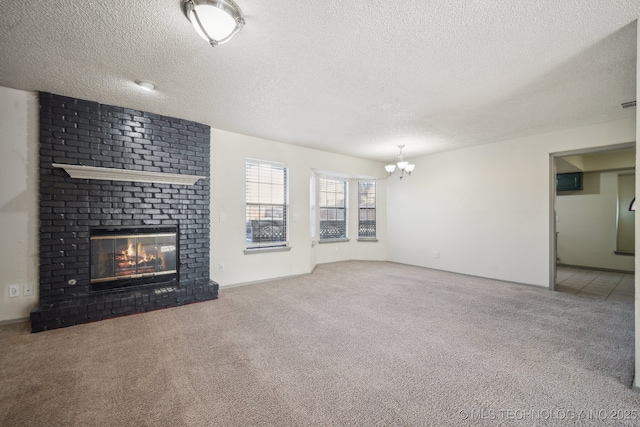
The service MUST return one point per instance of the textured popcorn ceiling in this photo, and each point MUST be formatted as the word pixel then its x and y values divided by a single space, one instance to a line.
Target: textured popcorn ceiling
pixel 349 76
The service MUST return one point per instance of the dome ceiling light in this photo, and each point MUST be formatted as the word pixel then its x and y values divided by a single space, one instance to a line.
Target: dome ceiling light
pixel 215 20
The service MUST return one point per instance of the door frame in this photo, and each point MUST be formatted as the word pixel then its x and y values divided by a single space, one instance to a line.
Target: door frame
pixel 552 196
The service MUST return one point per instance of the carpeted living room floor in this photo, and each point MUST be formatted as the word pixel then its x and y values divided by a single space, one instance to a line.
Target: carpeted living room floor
pixel 355 343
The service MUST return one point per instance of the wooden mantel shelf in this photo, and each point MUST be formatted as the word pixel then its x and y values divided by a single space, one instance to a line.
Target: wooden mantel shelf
pixel 110 174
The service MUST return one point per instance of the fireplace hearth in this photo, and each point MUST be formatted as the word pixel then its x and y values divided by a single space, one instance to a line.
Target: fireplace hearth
pixel 120 243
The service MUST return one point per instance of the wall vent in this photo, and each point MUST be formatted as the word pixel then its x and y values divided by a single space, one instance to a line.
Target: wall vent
pixel 628 104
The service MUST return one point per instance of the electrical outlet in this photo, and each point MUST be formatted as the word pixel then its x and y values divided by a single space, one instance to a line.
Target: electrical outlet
pixel 14 291
pixel 27 290
pixel 221 267
pixel 436 254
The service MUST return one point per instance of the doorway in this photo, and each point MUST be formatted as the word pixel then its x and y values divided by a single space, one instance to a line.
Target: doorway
pixel 590 220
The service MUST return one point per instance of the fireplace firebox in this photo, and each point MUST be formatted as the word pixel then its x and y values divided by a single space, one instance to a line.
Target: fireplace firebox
pixel 132 256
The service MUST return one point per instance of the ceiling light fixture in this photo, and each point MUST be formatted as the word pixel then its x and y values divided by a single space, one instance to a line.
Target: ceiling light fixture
pixel 215 20
pixel 403 166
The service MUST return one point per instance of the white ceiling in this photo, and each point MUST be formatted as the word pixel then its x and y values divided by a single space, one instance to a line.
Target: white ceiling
pixel 356 77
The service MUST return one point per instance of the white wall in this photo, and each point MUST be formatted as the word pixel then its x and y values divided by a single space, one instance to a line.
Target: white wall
pixel 636 381
pixel 229 152
pixel 18 200
pixel 486 209
pixel 587 232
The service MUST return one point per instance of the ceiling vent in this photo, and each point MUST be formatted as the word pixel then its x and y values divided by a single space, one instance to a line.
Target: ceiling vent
pixel 628 104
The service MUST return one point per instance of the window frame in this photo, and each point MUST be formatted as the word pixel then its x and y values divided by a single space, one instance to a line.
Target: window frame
pixel 324 209
pixel 362 208
pixel 256 207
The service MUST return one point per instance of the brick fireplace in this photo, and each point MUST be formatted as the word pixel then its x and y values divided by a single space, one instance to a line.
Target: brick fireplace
pixel 123 143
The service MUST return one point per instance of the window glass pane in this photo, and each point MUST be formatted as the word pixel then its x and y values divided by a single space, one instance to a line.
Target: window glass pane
pixel 331 186
pixel 264 174
pixel 331 199
pixel 323 198
pixel 277 175
pixel 277 212
pixel 266 212
pixel 253 212
pixel 277 193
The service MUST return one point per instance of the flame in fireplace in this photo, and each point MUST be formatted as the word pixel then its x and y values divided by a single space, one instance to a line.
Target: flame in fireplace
pixel 142 255
pixel 130 253
pixel 130 257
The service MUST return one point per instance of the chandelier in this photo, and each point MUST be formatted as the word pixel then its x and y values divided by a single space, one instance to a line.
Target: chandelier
pixel 403 165
pixel 215 20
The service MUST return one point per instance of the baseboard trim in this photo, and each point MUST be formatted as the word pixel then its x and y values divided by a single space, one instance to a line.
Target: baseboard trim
pixel 257 282
pixel 596 268
pixel 531 285
pixel 10 321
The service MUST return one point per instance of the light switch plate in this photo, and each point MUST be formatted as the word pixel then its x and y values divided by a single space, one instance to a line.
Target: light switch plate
pixel 27 290
pixel 14 291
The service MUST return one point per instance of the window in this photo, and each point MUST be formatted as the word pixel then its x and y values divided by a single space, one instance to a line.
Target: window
pixel 266 199
pixel 333 208
pixel 367 210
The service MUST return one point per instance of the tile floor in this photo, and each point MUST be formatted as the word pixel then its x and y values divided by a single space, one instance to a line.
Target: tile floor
pixel 608 285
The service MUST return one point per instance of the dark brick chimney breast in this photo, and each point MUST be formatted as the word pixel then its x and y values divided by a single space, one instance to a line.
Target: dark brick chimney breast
pixel 78 132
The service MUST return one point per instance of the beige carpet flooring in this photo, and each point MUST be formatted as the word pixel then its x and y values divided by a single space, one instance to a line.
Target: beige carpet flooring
pixel 353 344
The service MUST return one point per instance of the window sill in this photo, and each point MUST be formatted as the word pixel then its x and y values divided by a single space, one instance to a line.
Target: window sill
pixel 253 251
pixel 368 240
pixel 341 240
